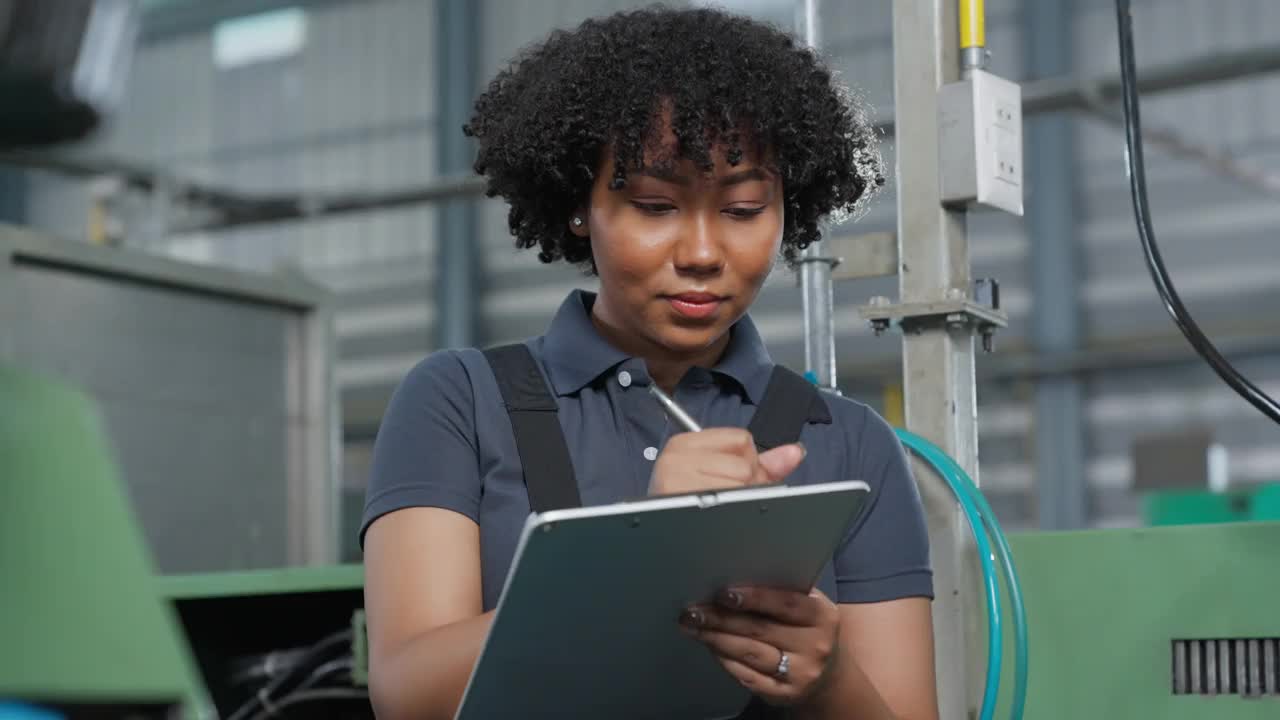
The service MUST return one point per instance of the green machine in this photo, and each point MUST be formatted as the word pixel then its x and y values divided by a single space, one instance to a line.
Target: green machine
pixel 1169 622
pixel 82 628
pixel 277 643
pixel 90 631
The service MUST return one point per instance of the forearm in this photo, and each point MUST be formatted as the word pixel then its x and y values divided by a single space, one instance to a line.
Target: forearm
pixel 846 694
pixel 424 679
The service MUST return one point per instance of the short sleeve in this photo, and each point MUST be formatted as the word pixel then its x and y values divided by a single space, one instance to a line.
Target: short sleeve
pixel 425 452
pixel 886 555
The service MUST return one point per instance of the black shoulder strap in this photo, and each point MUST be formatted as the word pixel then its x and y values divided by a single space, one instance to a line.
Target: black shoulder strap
pixel 783 411
pixel 548 470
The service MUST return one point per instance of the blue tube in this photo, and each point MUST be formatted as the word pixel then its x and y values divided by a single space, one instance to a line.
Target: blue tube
pixel 15 711
pixel 972 500
pixel 1014 586
pixel 995 643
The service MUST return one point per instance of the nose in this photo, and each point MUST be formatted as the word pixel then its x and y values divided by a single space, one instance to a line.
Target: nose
pixel 700 249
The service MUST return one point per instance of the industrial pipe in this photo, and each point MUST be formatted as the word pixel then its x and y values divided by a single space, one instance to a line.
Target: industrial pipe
pixel 815 274
pixel 973 35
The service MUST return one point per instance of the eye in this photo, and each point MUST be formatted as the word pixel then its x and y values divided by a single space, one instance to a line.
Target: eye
pixel 744 213
pixel 653 208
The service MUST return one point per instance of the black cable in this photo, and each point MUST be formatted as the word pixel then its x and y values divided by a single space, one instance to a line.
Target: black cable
pixel 1142 212
pixel 309 696
pixel 317 654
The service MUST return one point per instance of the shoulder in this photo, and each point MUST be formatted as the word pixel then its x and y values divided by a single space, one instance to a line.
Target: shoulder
pixel 447 370
pixel 458 377
pixel 426 450
pixel 440 373
pixel 886 554
pixel 458 380
pixel 437 367
pixel 863 428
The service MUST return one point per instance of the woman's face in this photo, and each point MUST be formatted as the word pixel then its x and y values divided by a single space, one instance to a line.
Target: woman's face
pixel 682 254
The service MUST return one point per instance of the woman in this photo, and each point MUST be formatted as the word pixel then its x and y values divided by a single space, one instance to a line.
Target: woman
pixel 676 154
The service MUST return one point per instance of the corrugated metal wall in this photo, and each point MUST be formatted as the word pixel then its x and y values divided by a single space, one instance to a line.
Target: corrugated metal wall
pixel 355 109
pixel 1219 240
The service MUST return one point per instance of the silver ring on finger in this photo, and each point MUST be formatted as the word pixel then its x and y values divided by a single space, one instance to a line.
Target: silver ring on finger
pixel 784 666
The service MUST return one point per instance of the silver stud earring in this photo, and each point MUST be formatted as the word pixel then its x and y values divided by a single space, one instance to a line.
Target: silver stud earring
pixel 577 222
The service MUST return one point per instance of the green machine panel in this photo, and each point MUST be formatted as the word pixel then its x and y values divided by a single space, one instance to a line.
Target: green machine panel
pixel 1105 608
pixel 81 628
pixel 1260 503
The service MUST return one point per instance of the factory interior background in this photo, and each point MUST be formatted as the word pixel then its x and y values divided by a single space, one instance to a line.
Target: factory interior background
pixel 366 98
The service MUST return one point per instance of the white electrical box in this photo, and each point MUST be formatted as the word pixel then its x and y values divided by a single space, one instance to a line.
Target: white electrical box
pixel 980 142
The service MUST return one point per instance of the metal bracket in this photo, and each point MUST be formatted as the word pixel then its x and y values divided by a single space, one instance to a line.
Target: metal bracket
pixel 855 257
pixel 834 262
pixel 917 317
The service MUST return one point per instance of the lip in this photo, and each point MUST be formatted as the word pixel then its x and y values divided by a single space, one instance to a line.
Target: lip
pixel 695 305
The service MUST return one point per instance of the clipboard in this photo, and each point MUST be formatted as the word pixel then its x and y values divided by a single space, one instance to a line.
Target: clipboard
pixel 586 626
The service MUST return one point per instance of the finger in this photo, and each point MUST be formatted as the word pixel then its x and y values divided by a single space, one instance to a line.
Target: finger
pixel 784 606
pixel 759 656
pixel 781 461
pixel 743 624
pixel 727 467
pixel 726 439
pixel 764 685
pixel 760 474
pixel 727 442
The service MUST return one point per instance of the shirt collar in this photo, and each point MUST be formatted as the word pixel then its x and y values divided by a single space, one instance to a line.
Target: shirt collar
pixel 576 354
pixel 574 351
pixel 746 360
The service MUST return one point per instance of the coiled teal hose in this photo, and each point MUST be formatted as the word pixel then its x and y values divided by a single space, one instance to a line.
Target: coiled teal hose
pixel 983 522
pixel 1014 586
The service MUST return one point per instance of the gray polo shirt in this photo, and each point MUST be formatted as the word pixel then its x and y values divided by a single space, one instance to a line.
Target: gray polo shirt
pixel 446 442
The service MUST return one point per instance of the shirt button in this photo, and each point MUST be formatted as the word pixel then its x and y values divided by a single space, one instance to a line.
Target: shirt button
pixel 624 379
pixel 651 453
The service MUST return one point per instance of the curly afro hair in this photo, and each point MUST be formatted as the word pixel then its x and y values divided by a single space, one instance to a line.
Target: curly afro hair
pixel 720 80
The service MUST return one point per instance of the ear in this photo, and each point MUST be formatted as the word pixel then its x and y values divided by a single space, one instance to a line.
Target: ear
pixel 578 223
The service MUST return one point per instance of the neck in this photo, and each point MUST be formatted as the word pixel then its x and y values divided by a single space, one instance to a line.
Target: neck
pixel 665 366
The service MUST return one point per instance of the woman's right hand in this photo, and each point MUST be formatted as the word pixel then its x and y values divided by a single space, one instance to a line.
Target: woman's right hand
pixel 719 459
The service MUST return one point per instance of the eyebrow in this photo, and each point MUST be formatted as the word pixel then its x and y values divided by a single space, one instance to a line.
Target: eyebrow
pixel 667 174
pixel 742 176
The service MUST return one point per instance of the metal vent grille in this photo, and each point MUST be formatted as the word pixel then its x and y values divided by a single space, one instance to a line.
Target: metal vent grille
pixel 1238 666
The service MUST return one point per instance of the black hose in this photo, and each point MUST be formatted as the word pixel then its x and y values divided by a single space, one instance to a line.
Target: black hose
pixel 1142 212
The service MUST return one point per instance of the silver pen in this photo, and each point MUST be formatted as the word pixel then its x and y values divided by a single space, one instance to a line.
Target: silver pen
pixel 673 410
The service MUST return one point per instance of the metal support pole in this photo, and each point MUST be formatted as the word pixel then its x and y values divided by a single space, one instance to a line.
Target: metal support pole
pixel 1055 274
pixel 815 271
pixel 457 277
pixel 937 358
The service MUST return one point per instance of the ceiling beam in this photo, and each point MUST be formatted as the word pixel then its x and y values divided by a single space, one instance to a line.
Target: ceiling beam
pixel 167 19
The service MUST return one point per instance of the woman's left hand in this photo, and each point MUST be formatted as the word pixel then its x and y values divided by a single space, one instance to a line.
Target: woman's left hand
pixel 752 629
